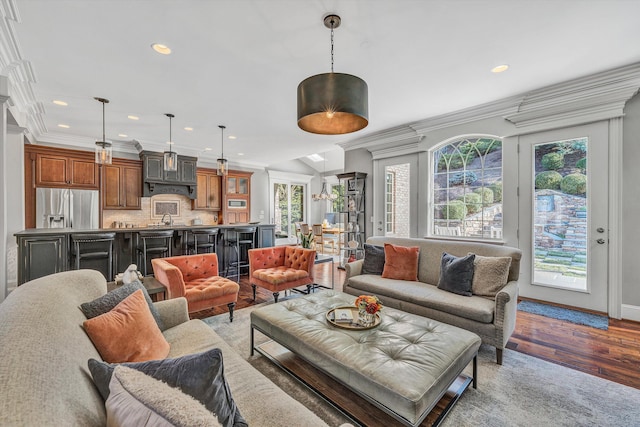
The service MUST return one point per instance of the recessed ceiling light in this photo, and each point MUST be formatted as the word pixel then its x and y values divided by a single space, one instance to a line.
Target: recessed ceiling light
pixel 240 154
pixel 133 117
pixel 161 48
pixel 123 135
pixel 170 142
pixel 64 126
pixel 232 137
pixel 61 103
pixel 208 149
pixel 188 129
pixel 315 158
pixel 500 68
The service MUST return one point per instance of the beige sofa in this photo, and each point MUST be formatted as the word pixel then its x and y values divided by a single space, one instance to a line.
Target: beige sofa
pixel 44 379
pixel 493 319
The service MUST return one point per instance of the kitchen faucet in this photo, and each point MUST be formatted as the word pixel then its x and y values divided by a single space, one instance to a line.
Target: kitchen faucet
pixel 170 222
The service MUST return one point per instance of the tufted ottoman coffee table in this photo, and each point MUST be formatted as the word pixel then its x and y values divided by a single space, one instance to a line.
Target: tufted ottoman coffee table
pixel 403 366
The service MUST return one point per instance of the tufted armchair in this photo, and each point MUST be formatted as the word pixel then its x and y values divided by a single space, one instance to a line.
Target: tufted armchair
pixel 195 277
pixel 281 267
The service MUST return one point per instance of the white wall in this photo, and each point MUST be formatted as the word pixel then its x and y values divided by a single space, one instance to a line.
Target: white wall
pixel 15 201
pixel 631 203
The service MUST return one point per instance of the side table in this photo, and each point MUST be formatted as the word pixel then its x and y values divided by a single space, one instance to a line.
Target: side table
pixel 155 289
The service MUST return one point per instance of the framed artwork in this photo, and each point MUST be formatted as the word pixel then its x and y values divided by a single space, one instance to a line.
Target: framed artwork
pixel 354 185
pixel 162 207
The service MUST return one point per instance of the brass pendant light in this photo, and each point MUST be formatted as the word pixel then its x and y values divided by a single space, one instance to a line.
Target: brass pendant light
pixel 104 151
pixel 170 157
pixel 333 103
pixel 222 162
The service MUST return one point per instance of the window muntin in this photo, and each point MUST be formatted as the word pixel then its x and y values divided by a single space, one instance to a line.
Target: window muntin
pixel 467 188
pixel 389 210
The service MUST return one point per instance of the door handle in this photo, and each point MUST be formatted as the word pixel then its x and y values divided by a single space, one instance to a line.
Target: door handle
pixel 600 241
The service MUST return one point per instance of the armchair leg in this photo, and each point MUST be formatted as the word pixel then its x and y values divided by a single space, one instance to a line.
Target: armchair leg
pixel 276 295
pixel 254 292
pixel 499 356
pixel 231 306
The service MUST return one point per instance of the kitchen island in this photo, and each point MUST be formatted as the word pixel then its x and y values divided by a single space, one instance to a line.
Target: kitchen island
pixel 43 251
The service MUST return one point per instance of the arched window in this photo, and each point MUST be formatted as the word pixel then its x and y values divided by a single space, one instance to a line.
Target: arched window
pixel 466 195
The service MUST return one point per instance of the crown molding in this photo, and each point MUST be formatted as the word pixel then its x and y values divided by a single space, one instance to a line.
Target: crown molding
pixel 399 135
pixel 600 96
pixel 479 112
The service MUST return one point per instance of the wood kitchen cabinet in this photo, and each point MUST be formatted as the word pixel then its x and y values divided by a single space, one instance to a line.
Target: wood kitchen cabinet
pixel 60 170
pixel 236 204
pixel 122 185
pixel 209 196
pixel 41 255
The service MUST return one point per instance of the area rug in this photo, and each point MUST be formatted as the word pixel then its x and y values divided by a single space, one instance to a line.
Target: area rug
pixel 524 391
pixel 566 314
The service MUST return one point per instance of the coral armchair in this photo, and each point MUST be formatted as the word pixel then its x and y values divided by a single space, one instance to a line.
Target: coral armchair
pixel 280 267
pixel 195 277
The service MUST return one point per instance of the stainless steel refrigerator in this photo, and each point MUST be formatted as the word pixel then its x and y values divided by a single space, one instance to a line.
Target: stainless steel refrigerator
pixel 67 208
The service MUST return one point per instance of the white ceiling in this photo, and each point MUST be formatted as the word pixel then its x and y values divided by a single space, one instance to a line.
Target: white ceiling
pixel 238 63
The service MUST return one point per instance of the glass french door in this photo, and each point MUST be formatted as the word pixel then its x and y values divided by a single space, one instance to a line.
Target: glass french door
pixel 288 208
pixel 563 220
pixel 395 198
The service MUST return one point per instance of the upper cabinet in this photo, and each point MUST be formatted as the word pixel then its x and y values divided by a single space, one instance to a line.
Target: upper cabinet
pixel 209 195
pixel 237 198
pixel 122 184
pixel 60 170
pixel 184 174
pixel 157 180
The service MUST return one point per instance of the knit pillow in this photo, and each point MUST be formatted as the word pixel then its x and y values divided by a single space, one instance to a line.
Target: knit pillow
pixel 490 275
pixel 139 400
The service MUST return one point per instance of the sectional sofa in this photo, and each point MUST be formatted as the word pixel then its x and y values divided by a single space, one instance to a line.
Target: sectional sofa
pixel 44 379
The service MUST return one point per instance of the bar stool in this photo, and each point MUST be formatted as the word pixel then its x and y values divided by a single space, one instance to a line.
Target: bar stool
pixel 244 239
pixel 156 243
pixel 204 240
pixel 92 246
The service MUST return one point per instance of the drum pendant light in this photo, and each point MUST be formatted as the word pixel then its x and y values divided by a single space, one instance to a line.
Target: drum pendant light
pixel 222 162
pixel 170 157
pixel 104 150
pixel 333 103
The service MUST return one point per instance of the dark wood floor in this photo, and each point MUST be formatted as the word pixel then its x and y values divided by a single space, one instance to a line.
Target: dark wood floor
pixel 613 354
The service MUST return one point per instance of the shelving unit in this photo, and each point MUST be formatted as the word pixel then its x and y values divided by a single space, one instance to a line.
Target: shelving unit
pixel 353 216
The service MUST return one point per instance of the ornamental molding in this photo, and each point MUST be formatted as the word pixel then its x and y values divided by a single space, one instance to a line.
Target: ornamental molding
pixel 600 96
pixel 399 135
pixel 395 151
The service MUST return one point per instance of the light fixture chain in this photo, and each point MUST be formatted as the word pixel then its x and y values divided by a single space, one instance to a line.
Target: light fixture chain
pixel 104 139
pixel 332 24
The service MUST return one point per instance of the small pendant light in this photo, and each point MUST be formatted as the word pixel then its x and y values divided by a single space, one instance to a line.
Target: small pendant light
pixel 222 162
pixel 170 157
pixel 104 150
pixel 324 194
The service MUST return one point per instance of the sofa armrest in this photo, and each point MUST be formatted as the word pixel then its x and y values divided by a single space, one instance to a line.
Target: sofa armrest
pixel 170 276
pixel 506 308
pixel 173 311
pixel 353 269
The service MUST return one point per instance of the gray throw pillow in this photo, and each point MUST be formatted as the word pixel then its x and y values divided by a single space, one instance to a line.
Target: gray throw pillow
pixel 373 262
pixel 456 274
pixel 108 301
pixel 199 375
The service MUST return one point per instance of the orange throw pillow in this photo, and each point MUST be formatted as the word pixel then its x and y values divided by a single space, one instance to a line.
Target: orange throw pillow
pixel 400 262
pixel 127 333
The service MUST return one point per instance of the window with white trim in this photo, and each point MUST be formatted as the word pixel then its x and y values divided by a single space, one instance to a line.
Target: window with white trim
pixel 466 188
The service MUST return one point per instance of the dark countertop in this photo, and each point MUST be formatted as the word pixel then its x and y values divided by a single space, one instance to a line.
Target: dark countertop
pixel 50 231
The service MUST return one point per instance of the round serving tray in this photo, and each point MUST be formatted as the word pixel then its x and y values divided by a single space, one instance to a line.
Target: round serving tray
pixel 353 325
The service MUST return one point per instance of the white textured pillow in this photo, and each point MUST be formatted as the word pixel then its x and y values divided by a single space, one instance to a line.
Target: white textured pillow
pixel 137 400
pixel 490 275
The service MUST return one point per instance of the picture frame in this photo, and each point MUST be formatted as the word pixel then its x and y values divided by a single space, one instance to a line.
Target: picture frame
pixel 163 207
pixel 354 186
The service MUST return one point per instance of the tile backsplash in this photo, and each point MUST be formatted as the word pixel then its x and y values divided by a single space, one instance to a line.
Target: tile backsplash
pixel 144 216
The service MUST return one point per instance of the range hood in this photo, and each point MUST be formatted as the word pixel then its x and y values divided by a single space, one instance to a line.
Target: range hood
pixel 156 180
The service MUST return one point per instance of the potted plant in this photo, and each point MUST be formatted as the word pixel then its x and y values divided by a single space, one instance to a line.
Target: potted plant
pixel 306 240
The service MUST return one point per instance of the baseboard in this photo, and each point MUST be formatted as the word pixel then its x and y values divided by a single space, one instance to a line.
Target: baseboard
pixel 631 312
